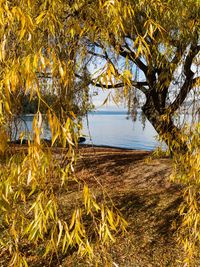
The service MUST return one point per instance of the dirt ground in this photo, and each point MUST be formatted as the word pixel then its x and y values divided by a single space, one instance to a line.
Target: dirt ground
pixel 140 188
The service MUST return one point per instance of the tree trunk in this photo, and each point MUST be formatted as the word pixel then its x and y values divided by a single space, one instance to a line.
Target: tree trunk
pixel 165 127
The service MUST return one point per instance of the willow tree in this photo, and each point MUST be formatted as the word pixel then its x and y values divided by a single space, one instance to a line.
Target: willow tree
pixel 161 41
pixel 44 46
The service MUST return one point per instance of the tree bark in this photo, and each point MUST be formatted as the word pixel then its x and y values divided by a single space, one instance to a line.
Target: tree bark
pixel 165 127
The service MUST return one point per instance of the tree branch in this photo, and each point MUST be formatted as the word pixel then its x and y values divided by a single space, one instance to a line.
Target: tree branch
pixel 189 74
pixel 97 55
pixel 132 56
pixel 186 88
pixel 138 85
pixel 194 50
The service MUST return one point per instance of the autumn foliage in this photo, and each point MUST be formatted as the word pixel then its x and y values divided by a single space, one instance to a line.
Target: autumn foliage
pixel 50 46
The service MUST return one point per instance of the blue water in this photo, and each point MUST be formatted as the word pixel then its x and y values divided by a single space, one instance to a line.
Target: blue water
pixel 108 128
pixel 116 129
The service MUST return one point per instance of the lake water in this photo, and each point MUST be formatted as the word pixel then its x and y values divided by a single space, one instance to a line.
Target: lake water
pixel 110 128
pixel 116 129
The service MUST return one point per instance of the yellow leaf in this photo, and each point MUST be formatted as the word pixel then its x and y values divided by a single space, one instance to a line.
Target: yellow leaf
pixel 7 107
pixel 41 17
